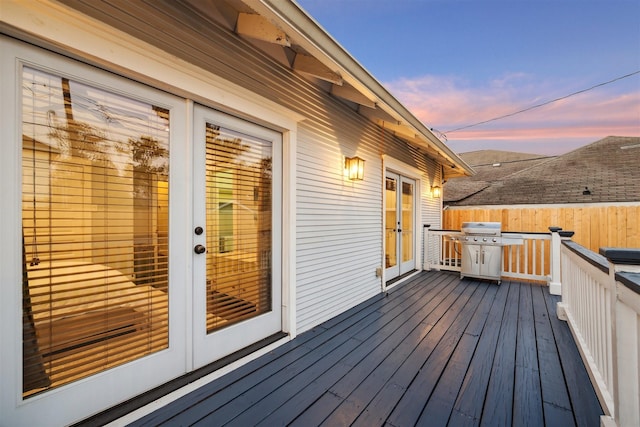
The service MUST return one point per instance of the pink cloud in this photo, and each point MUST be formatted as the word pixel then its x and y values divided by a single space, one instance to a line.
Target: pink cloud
pixel 449 103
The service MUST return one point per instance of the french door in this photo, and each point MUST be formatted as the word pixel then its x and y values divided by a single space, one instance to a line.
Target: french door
pixel 130 254
pixel 399 225
pixel 236 256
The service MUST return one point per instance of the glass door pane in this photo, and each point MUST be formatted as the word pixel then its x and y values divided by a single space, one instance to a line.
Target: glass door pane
pixel 239 218
pixel 95 224
pixel 407 220
pixel 392 225
pixel 391 222
pixel 237 201
pixel 408 235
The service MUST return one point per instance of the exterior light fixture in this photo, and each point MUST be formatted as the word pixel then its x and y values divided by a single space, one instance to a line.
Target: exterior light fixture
pixel 436 191
pixel 355 168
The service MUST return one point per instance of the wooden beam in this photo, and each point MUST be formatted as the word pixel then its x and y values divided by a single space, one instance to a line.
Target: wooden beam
pixel 282 54
pixel 310 65
pixel 260 28
pixel 351 94
pixel 377 115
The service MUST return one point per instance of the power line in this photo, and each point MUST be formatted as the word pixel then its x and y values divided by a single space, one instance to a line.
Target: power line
pixel 542 104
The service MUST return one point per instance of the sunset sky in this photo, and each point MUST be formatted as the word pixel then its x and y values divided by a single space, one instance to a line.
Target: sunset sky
pixel 455 63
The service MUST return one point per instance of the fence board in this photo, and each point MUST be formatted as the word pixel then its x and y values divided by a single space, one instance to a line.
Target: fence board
pixel 594 226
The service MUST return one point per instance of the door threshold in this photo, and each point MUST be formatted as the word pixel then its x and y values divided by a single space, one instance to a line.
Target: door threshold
pixel 139 402
pixel 401 278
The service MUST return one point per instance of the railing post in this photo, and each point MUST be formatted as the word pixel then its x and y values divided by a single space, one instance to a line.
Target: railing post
pixel 555 286
pixel 625 335
pixel 426 265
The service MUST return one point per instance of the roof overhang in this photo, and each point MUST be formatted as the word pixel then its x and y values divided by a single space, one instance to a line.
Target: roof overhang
pixel 349 79
pixel 285 32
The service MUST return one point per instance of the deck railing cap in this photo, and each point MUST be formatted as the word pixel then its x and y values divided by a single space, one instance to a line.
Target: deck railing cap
pixel 624 256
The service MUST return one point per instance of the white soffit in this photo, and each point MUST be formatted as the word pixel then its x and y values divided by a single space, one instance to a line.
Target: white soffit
pixel 334 64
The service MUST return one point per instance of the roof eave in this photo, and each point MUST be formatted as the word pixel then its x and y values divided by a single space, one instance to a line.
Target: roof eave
pixel 314 39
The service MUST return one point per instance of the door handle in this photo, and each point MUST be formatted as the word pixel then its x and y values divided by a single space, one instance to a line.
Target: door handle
pixel 399 230
pixel 199 249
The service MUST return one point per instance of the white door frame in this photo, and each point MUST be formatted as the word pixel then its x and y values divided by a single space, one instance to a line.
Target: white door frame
pixel 71 402
pixel 214 346
pixel 76 400
pixel 396 166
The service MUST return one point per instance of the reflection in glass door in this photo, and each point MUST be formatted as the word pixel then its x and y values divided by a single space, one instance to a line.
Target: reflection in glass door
pixel 94 230
pixel 407 234
pixel 392 224
pixel 399 225
pixel 238 227
pixel 237 206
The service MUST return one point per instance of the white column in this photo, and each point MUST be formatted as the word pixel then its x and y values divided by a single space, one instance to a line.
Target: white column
pixel 555 286
pixel 625 332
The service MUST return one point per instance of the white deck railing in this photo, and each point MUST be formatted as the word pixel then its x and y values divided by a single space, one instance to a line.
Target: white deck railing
pixel 602 306
pixel 529 261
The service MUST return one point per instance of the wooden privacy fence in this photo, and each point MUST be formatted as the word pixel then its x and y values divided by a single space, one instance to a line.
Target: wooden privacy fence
pixel 595 226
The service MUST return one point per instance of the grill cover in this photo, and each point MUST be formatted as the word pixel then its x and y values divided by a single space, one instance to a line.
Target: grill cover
pixel 482 228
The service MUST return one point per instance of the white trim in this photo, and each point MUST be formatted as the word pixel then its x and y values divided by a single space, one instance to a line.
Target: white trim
pixel 289 295
pixel 121 54
pixel 397 166
pixel 41 409
pixel 68 31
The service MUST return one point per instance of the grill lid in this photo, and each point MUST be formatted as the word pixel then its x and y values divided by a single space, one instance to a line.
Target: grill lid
pixel 482 228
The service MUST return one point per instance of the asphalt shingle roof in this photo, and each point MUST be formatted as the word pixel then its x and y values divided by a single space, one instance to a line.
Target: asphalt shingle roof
pixel 608 170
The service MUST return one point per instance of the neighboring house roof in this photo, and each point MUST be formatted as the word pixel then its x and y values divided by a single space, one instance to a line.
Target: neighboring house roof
pixel 489 165
pixel 607 170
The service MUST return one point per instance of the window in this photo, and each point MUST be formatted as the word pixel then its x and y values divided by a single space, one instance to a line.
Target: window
pixel 95 229
pixel 239 226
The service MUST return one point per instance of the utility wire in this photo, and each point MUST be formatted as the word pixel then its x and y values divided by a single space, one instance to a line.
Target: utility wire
pixel 542 104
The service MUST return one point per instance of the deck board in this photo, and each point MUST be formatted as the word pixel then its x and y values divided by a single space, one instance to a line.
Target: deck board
pixel 440 405
pixel 555 396
pixel 584 402
pixel 437 350
pixel 498 405
pixel 527 398
pixel 467 409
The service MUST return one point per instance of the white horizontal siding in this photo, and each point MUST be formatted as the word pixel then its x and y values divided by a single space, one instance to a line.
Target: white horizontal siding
pixel 338 222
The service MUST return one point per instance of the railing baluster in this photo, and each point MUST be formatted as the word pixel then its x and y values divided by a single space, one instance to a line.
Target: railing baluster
pixel 515 262
pixel 593 299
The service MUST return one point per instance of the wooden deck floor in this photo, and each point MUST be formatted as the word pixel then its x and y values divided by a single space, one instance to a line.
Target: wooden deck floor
pixel 434 351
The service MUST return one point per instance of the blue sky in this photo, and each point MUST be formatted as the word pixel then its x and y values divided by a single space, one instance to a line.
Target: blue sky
pixel 455 63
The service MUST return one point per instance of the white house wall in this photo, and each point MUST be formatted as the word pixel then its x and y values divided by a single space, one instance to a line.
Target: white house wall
pixel 338 223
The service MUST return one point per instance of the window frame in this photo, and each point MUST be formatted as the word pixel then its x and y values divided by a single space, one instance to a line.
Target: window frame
pixel 16 55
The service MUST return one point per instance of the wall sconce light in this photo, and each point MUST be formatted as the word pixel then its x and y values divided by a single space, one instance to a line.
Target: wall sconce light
pixel 355 168
pixel 436 191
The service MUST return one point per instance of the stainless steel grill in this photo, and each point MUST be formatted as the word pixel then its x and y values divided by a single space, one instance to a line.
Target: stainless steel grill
pixel 481 250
